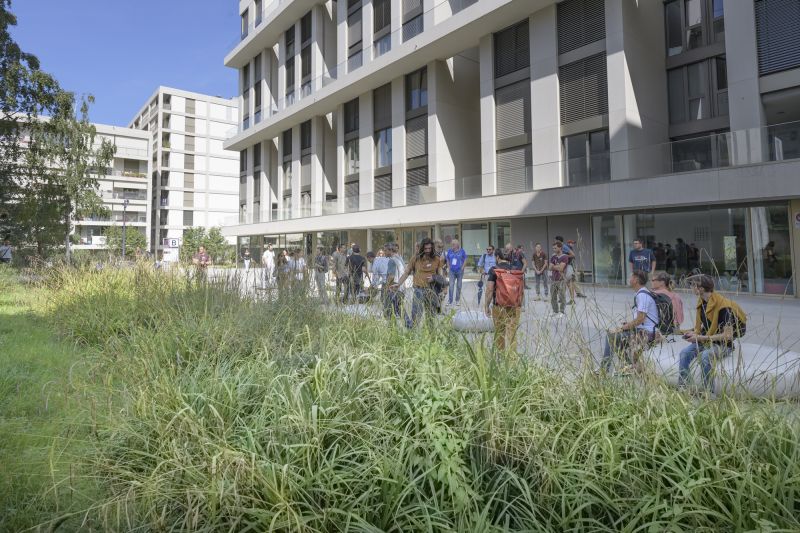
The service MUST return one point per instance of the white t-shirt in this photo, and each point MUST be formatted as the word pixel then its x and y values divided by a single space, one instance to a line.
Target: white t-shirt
pixel 268 257
pixel 646 304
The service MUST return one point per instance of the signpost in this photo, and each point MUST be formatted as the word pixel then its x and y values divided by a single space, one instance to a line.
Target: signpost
pixel 171 252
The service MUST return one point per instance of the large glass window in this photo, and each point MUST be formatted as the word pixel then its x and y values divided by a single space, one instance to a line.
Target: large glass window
pixel 417 89
pixel 772 251
pixel 693 24
pixel 351 157
pixel 383 147
pixel 607 239
pixel 475 239
pixel 586 157
pixel 698 91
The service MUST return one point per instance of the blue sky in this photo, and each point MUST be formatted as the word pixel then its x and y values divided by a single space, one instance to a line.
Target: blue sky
pixel 121 50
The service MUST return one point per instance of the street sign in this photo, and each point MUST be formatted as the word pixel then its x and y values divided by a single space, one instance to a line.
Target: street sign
pixel 171 243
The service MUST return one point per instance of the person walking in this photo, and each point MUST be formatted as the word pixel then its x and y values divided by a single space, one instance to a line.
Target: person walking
pixel 356 270
pixel 268 264
pixel 641 258
pixel 634 335
pixel 340 272
pixel 485 264
pixel 246 257
pixel 321 267
pixel 456 259
pixel 392 294
pixel 6 252
pixel 201 260
pixel 718 322
pixel 540 270
pixel 425 266
pixel 505 292
pixel 558 265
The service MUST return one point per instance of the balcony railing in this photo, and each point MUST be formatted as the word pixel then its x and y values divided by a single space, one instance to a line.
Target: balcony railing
pixel 775 143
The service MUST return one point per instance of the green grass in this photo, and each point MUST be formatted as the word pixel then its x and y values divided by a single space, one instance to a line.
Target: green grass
pixel 206 412
pixel 42 416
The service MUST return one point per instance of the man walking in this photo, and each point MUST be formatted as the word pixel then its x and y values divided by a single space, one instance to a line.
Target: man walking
pixel 340 271
pixel 456 258
pixel 425 267
pixel 641 258
pixel 321 267
pixel 558 265
pixel 633 336
pixel 356 270
pixel 718 322
pixel 268 263
pixel 485 264
pixel 201 261
pixel 505 292
pixel 540 270
pixel 391 295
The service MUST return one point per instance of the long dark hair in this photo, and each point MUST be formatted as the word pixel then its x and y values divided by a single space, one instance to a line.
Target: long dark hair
pixel 421 252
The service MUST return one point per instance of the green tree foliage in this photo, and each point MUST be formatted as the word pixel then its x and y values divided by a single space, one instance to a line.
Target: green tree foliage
pixel 50 159
pixel 133 239
pixel 213 240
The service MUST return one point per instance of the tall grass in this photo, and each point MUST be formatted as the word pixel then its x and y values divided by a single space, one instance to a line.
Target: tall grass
pixel 231 413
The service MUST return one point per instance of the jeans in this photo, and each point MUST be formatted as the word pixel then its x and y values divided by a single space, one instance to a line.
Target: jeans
pixel 557 298
pixel 455 281
pixel 506 323
pixel 322 290
pixel 353 288
pixel 341 286
pixel 705 353
pixel 392 303
pixel 481 283
pixel 620 341
pixel 426 300
pixel 541 278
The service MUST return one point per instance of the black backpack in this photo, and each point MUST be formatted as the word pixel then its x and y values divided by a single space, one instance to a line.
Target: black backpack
pixel 666 315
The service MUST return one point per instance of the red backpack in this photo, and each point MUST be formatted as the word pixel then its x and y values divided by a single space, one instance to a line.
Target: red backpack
pixel 509 287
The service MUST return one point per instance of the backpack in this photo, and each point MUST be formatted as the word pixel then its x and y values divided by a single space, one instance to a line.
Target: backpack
pixel 666 314
pixel 509 287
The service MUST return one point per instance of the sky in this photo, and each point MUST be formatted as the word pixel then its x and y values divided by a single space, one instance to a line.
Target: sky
pixel 120 51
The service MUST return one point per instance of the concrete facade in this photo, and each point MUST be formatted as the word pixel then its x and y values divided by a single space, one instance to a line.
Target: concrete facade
pixel 665 113
pixel 193 178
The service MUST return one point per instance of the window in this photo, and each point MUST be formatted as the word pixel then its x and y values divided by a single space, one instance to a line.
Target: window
pixel 513 110
pixel 580 22
pixel 259 12
pixel 190 106
pixel 351 157
pixel 583 89
pixel 256 155
pixel 417 89
pixel 188 143
pixel 305 136
pixel 586 157
pixel 305 29
pixel 698 90
pixel 693 24
pixel 351 116
pixel 245 23
pixel 188 161
pixel 354 36
pixel 188 180
pixel 287 144
pixel 417 137
pixel 777 22
pixel 383 148
pixel 383 45
pixel 413 23
pixel 382 18
pixel 289 66
pixel 700 152
pixel 188 218
pixel 243 160
pixel 383 192
pixel 511 49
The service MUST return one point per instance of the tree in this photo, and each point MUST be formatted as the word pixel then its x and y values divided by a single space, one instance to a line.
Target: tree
pixel 49 160
pixel 216 244
pixel 133 239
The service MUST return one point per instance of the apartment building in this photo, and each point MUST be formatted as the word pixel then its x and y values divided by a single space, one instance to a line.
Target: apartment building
pixel 194 179
pixel 500 121
pixel 125 189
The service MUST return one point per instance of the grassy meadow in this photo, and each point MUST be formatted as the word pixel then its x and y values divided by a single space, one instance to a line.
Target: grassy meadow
pixel 137 400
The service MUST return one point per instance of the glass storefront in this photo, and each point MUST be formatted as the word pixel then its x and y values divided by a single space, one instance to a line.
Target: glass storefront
pixel 744 249
pixel 381 237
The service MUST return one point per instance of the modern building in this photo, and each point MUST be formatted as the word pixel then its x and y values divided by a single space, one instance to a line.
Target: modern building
pixel 499 121
pixel 125 189
pixel 194 180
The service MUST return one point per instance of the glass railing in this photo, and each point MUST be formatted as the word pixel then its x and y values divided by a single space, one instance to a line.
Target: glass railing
pixel 132 152
pixel 332 72
pixel 775 143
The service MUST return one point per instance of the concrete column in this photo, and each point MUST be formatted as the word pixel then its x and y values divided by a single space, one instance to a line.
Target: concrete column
pixel 281 181
pixel 280 91
pixel 273 161
pixel 340 158
pixel 296 171
pixel 398 139
pixel 330 39
pixel 366 148
pixel 744 97
pixel 317 43
pixel 317 172
pixel 441 167
pixel 545 119
pixel 297 70
pixel 341 37
pixel 487 130
pixel 249 194
pixel 368 243
pixel 396 25
pixel 367 25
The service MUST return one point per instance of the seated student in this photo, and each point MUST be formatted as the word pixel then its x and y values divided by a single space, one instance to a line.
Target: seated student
pixel 634 335
pixel 718 322
pixel 662 283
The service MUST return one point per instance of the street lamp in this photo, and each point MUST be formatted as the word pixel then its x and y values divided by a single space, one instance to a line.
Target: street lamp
pixel 124 228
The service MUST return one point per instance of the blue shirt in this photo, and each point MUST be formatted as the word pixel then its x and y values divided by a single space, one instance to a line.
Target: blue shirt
pixel 487 262
pixel 642 259
pixel 456 260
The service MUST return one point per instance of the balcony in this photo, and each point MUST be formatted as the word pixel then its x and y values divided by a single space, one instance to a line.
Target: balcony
pixel 771 144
